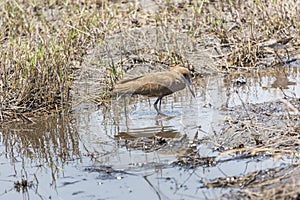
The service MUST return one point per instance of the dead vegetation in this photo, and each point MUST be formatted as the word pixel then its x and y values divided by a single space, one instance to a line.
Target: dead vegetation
pixel 254 132
pixel 205 36
pixel 43 42
pixel 46 44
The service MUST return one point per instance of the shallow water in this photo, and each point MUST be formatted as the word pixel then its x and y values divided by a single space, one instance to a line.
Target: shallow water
pixel 83 157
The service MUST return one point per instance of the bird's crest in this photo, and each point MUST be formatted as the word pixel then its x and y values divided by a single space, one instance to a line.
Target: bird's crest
pixel 181 70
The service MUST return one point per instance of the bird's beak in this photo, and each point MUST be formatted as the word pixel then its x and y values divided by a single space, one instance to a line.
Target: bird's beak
pixel 189 84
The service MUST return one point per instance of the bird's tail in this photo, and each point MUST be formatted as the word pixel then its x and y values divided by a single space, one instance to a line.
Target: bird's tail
pixel 125 87
pixel 120 90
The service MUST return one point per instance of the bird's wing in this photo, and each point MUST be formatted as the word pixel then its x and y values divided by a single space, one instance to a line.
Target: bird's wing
pixel 157 84
pixel 154 84
pixel 128 80
pixel 126 86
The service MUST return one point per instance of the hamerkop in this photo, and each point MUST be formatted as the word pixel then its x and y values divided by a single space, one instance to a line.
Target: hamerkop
pixel 158 84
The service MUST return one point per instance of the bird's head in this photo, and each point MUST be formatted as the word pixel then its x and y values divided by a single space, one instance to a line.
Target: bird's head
pixel 186 74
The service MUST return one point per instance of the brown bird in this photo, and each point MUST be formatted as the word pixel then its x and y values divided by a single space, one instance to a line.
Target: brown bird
pixel 158 84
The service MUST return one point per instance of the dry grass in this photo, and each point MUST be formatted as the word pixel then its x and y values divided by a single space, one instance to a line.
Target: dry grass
pixel 217 36
pixel 43 42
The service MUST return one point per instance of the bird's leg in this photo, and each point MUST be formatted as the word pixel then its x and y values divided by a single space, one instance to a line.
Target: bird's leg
pixel 125 110
pixel 155 106
pixel 159 104
pixel 126 116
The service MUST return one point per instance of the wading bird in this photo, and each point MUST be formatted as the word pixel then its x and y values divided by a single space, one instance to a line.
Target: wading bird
pixel 158 84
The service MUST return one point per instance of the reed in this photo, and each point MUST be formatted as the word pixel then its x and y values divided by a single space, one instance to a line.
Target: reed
pixel 43 42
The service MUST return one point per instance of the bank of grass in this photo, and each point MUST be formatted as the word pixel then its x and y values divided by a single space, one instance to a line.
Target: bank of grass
pixel 241 34
pixel 43 42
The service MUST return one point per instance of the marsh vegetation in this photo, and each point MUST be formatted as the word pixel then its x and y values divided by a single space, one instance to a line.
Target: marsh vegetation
pixel 44 42
pixel 60 59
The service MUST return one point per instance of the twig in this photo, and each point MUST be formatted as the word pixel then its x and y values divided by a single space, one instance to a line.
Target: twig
pixel 290 106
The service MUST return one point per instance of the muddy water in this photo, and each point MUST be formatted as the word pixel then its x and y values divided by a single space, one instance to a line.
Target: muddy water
pixel 110 153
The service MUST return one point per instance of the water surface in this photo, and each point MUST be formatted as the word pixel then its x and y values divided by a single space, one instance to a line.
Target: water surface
pixel 90 154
